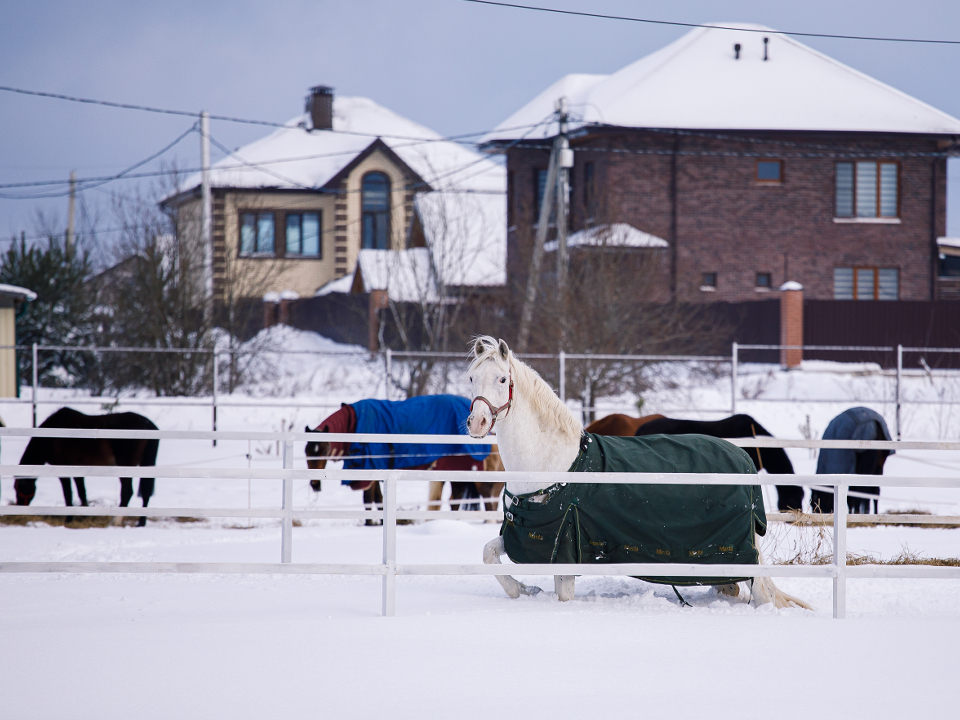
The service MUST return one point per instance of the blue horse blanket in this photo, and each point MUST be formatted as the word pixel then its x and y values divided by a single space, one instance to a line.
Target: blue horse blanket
pixel 422 415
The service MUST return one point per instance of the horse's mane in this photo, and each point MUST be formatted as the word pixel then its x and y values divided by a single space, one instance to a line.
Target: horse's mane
pixel 527 384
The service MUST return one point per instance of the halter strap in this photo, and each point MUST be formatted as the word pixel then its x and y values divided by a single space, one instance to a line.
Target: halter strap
pixel 495 412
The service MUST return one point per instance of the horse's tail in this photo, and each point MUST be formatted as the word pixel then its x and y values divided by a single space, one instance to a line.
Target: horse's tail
pixel 765 590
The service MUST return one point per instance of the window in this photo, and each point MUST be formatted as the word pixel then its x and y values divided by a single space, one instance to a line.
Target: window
pixel 867 189
pixel 303 234
pixel 770 171
pixel 763 281
pixel 866 283
pixel 539 187
pixel 375 219
pixel 708 282
pixel 256 233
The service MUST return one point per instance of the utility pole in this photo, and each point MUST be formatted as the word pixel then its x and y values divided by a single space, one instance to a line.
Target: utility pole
pixel 565 162
pixel 71 210
pixel 550 194
pixel 206 215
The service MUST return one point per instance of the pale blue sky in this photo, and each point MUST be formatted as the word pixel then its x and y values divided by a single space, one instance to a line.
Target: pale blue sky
pixel 453 66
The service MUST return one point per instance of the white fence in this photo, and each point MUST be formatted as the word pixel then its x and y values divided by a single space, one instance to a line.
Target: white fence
pixel 389 569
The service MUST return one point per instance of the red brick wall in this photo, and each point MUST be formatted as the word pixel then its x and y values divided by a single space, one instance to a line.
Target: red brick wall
pixel 724 221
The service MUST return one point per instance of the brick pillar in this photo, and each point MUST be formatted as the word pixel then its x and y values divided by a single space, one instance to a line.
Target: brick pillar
pixel 287 298
pixel 378 301
pixel 271 302
pixel 791 323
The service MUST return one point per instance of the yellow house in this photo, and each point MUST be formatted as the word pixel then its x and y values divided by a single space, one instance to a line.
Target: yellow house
pixel 12 298
pixel 292 211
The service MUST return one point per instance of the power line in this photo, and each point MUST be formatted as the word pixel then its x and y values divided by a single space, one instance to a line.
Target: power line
pixel 647 21
pixel 228 118
pixel 87 185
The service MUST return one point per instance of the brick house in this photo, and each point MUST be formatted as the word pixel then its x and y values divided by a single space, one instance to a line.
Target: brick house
pixel 293 210
pixel 757 159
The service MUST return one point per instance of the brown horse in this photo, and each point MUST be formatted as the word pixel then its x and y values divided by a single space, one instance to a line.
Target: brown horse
pixel 345 421
pixel 619 425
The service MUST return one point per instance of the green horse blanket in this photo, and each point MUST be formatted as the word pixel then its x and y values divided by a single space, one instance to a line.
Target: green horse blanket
pixel 649 523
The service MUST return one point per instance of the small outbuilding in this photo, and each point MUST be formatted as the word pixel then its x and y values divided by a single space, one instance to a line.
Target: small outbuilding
pixel 12 301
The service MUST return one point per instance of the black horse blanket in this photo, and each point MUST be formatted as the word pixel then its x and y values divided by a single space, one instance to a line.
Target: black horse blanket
pixel 581 523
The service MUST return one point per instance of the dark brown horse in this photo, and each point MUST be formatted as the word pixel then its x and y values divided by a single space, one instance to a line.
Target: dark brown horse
pixel 773 460
pixel 91 451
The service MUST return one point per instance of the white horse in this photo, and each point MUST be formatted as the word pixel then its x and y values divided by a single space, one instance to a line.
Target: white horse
pixel 536 432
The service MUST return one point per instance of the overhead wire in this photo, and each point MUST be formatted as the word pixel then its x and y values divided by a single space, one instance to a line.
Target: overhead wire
pixel 81 185
pixel 601 16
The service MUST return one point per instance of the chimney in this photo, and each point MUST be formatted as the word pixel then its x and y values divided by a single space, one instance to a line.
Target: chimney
pixel 791 323
pixel 320 107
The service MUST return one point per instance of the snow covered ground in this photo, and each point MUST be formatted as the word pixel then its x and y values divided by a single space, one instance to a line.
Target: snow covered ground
pixel 255 646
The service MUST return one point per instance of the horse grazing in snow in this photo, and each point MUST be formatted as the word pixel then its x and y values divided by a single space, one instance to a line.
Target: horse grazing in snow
pixel 536 432
pixel 421 415
pixel 91 451
pixel 773 460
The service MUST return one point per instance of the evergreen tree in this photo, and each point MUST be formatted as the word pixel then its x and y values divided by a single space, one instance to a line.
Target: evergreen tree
pixel 62 314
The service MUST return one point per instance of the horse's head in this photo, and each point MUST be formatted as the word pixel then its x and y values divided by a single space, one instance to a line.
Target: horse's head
pixel 318 452
pixel 491 385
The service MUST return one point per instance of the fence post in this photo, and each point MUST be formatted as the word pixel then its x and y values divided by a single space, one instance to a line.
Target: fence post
pixel 216 379
pixel 33 399
pixel 733 379
pixel 899 375
pixel 563 377
pixel 840 551
pixel 389 546
pixel 388 355
pixel 286 543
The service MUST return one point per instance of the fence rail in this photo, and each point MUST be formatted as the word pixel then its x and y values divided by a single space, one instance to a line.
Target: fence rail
pixel 217 400
pixel 389 569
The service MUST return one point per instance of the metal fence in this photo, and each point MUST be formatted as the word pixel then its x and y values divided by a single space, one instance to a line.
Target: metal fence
pixel 389 569
pixel 389 358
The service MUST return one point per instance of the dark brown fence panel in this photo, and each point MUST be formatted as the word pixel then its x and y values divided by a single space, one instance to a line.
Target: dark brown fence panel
pixel 911 323
pixel 338 316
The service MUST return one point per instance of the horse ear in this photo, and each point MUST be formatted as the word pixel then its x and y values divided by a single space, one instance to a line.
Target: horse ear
pixel 477 346
pixel 504 350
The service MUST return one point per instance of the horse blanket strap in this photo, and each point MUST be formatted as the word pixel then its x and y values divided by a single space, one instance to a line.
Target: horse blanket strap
pixel 576 523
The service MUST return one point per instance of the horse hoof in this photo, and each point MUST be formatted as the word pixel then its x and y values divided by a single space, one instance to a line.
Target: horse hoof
pixel 315 485
pixel 142 522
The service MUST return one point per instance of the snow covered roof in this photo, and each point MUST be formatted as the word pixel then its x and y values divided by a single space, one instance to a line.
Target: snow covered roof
pixel 293 157
pixel 613 235
pixel 406 275
pixel 17 292
pixel 696 82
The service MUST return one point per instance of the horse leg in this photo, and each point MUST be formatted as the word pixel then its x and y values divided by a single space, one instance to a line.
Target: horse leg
pixel 564 585
pixel 81 490
pixel 730 589
pixel 145 491
pixel 513 587
pixel 458 491
pixel 25 490
pixel 126 491
pixel 434 494
pixel 67 491
pixel 372 497
pixel 764 590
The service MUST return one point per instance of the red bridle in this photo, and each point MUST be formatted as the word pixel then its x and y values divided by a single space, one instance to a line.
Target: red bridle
pixel 495 412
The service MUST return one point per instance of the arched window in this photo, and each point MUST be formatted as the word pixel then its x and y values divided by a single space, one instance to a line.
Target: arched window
pixel 375 200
